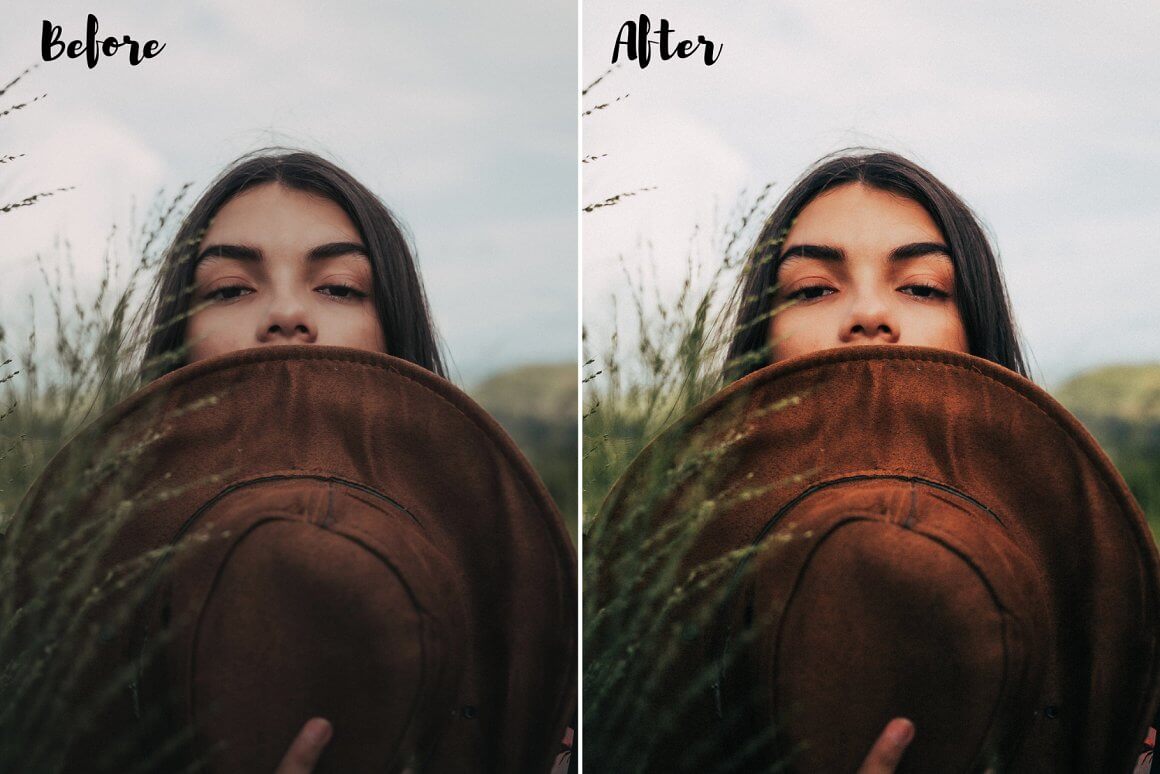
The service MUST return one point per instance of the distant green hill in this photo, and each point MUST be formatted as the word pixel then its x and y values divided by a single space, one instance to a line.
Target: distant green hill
pixel 1120 405
pixel 536 404
pixel 1129 392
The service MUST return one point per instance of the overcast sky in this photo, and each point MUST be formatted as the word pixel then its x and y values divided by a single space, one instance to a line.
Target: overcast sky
pixel 460 116
pixel 1043 116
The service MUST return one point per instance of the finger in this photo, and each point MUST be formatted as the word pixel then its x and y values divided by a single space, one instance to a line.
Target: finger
pixel 887 751
pixel 306 749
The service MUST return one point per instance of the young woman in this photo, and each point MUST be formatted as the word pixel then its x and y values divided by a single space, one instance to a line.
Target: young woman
pixel 287 248
pixel 870 248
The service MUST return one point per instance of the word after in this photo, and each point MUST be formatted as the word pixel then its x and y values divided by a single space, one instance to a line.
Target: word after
pixel 634 37
pixel 51 46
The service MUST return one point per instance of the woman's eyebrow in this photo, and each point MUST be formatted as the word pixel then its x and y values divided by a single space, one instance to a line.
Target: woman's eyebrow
pixel 919 249
pixel 837 254
pixel 335 249
pixel 254 255
pixel 817 252
pixel 233 252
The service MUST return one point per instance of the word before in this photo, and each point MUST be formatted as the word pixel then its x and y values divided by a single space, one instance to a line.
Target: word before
pixel 634 37
pixel 51 46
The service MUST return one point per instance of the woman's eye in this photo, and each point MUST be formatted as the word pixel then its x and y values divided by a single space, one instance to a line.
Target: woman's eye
pixel 810 293
pixel 341 291
pixel 923 291
pixel 229 293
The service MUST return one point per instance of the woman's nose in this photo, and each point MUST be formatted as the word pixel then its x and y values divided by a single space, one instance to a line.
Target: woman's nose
pixel 870 321
pixel 287 321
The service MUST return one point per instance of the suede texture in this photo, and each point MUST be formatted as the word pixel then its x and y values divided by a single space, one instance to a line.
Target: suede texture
pixel 356 539
pixel 936 538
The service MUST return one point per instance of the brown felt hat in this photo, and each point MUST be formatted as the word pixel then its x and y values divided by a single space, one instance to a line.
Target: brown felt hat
pixel 358 540
pixel 934 537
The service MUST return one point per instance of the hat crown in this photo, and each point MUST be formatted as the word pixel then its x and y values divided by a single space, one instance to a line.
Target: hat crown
pixel 879 598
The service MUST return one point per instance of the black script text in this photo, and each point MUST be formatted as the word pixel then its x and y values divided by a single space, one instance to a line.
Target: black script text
pixel 51 46
pixel 634 37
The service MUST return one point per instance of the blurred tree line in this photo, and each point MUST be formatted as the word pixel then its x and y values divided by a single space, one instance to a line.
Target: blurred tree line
pixel 537 406
pixel 1120 405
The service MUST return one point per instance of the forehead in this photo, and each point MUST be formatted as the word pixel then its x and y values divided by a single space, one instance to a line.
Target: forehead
pixel 276 218
pixel 858 217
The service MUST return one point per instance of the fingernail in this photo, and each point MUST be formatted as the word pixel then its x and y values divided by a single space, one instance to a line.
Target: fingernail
pixel 319 731
pixel 901 733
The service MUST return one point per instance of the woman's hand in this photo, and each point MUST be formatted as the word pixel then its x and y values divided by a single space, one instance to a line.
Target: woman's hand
pixel 306 749
pixel 887 751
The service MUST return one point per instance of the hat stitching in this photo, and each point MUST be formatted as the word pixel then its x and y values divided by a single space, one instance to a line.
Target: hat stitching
pixel 328 519
pixel 908 522
pixel 871 475
pixel 317 475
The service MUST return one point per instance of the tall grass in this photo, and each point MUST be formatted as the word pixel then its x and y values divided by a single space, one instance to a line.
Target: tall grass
pixel 672 359
pixel 59 601
pixel 86 361
pixel 649 608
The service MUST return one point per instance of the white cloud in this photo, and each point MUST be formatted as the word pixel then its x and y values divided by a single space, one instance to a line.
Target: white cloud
pixel 105 162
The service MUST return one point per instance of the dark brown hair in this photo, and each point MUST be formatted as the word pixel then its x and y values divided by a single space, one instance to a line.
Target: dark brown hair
pixel 979 292
pixel 399 300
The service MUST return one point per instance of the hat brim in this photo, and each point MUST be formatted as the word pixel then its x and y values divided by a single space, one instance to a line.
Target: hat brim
pixel 946 420
pixel 375 423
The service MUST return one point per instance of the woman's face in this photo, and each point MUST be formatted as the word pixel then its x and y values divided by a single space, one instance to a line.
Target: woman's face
pixel 280 266
pixel 864 266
